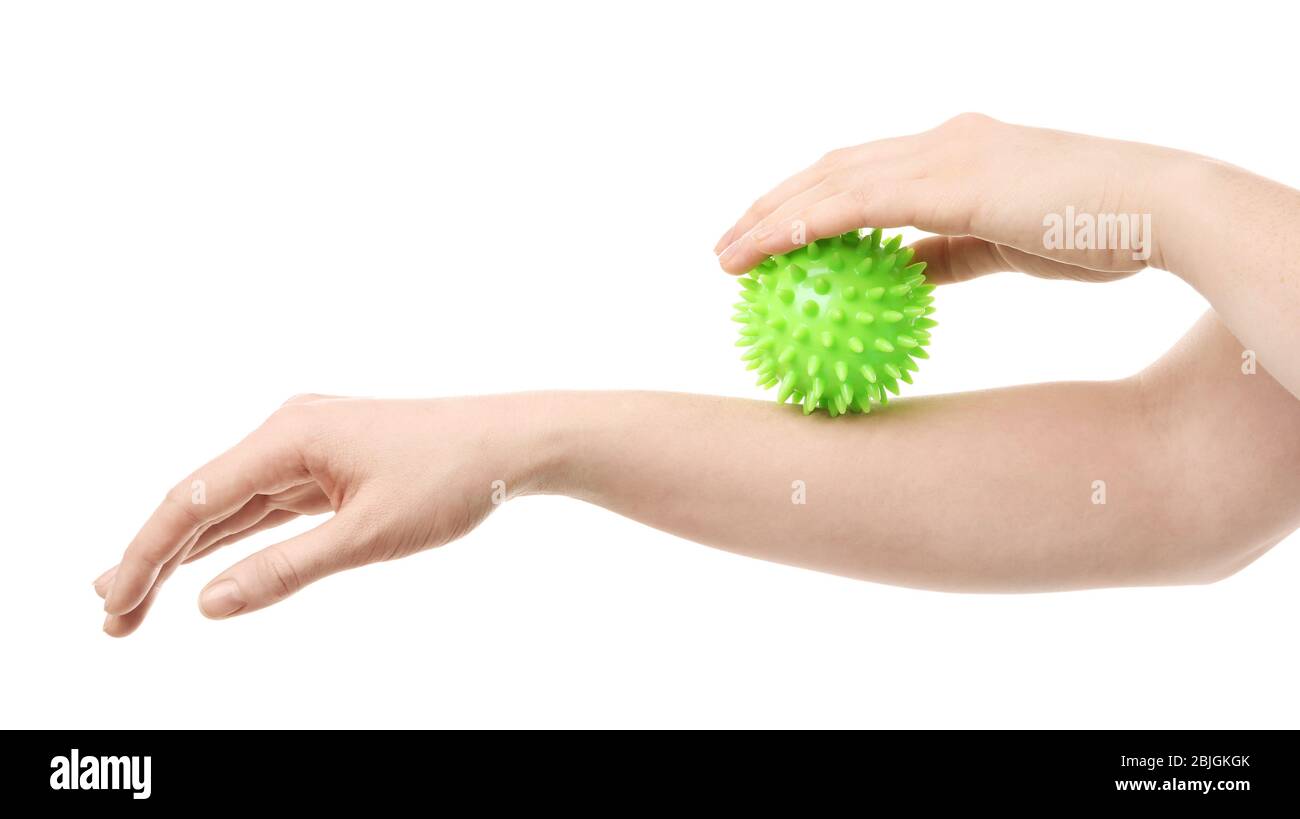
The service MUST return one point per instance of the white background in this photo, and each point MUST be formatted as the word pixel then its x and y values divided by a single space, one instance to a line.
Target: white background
pixel 205 208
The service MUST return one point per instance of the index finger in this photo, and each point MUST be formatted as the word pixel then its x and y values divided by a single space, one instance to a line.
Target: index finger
pixel 267 461
pixel 770 201
pixel 883 150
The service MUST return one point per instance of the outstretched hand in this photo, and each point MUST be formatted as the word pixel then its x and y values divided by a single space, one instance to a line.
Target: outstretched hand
pixel 400 476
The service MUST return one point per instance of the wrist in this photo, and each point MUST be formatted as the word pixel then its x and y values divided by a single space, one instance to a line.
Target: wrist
pixel 1182 219
pixel 578 441
pixel 542 439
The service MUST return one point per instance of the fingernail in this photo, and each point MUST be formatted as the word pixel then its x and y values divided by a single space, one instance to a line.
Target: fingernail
pixel 107 620
pixel 729 253
pixel 221 599
pixel 723 242
pixel 101 582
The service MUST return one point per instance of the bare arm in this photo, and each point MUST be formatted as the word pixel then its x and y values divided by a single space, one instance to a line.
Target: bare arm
pixel 987 491
pixel 1002 490
pixel 1236 239
pixel 981 491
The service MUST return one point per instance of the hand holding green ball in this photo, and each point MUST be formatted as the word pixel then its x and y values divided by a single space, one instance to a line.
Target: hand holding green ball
pixel 836 324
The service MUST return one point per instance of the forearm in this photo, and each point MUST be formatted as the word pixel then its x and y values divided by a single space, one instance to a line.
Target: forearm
pixel 985 491
pixel 989 491
pixel 1235 237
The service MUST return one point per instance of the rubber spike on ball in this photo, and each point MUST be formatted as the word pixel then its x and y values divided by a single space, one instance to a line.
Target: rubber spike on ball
pixel 833 322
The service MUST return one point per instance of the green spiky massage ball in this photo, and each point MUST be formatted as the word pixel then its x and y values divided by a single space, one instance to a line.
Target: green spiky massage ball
pixel 836 324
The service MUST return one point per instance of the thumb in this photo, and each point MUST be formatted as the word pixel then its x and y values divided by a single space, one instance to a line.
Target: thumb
pixel 953 259
pixel 280 570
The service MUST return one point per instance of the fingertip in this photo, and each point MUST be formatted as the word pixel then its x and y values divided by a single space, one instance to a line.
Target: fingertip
pixel 117 627
pixel 725 258
pixel 221 598
pixel 120 625
pixel 733 266
pixel 130 586
pixel 955 259
pixel 729 270
pixel 113 606
pixel 752 248
pixel 104 583
pixel 724 242
pixel 112 598
pixel 739 256
pixel 117 609
pixel 934 256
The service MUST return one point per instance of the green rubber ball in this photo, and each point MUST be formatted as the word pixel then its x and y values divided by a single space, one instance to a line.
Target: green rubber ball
pixel 838 323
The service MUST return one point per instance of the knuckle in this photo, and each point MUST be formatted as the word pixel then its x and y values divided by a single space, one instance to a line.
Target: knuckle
pixel 833 157
pixel 768 235
pixel 302 398
pixel 276 573
pixel 969 122
pixel 290 417
pixel 180 502
pixel 762 204
pixel 860 198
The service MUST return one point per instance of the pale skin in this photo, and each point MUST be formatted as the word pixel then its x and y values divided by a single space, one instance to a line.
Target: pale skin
pixel 988 491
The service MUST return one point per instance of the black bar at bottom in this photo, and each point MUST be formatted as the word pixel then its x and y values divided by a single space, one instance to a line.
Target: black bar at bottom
pixel 239 770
